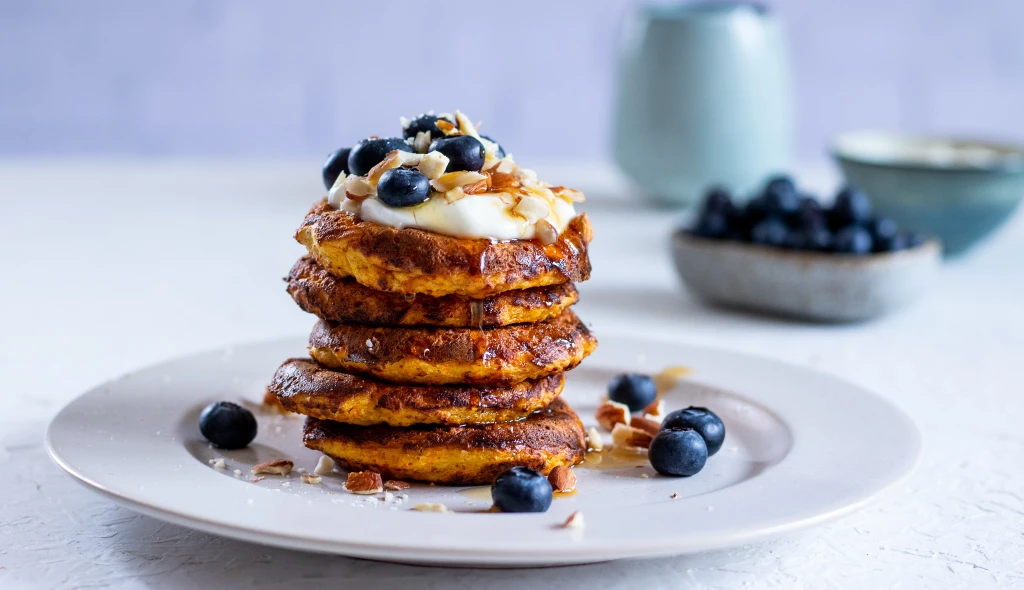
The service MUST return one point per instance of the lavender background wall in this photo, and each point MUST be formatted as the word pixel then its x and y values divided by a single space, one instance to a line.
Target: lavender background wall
pixel 267 78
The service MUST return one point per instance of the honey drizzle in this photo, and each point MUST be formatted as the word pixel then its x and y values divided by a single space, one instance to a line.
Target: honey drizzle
pixel 668 378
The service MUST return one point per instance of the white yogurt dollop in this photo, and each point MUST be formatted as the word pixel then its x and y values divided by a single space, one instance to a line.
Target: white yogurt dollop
pixel 474 216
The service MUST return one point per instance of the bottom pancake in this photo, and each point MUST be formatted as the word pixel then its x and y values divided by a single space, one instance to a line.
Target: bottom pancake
pixel 456 455
pixel 304 387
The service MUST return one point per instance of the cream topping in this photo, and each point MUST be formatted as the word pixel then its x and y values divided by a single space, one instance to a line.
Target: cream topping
pixel 502 201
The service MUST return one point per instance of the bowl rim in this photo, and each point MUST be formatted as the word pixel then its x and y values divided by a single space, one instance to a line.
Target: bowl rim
pixel 1009 165
pixel 932 246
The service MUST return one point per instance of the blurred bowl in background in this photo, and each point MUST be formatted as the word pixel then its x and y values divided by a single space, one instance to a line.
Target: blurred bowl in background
pixel 814 286
pixel 957 190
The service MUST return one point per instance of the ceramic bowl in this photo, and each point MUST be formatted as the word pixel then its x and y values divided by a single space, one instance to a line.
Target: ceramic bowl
pixel 957 190
pixel 805 285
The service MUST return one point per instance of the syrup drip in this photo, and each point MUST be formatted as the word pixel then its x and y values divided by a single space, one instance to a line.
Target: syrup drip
pixel 614 459
pixel 667 379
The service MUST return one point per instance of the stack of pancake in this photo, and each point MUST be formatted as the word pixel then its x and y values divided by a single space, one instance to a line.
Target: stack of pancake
pixel 436 358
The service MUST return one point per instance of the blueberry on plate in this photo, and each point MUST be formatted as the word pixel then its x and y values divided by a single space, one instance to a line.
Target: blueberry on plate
pixel 853 239
pixel 678 452
pixel 227 425
pixel 522 489
pixel 336 163
pixel 703 420
pixel 635 390
pixel 771 231
pixel 780 196
pixel 501 151
pixel 464 152
pixel 403 187
pixel 369 152
pixel 851 206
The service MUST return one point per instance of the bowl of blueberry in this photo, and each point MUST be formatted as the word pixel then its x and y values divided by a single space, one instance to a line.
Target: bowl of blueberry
pixel 783 252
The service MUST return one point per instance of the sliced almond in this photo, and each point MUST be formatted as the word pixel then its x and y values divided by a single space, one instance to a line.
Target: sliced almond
pixel 337 193
pixel 575 521
pixel 433 165
pixel 562 479
pixel 431 507
pixel 311 479
pixel 630 438
pixel 446 127
pixel 465 125
pixel 450 180
pixel 422 142
pixel 395 485
pixel 279 467
pixel 610 413
pixel 358 188
pixel 546 233
pixel 479 186
pixel 364 482
pixel 502 181
pixel 455 194
pixel 324 466
pixel 508 166
pixel 594 440
pixel 649 426
pixel 655 410
pixel 532 208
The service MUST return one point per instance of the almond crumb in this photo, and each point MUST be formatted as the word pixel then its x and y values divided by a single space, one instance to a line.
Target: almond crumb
pixel 324 466
pixel 218 463
pixel 644 476
pixel 431 507
pixel 647 425
pixel 562 478
pixel 610 413
pixel 279 467
pixel 674 495
pixel 575 521
pixel 594 440
pixel 364 482
pixel 655 410
pixel 631 438
pixel 395 485
pixel 311 479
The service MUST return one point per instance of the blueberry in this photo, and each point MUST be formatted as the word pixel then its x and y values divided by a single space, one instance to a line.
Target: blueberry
pixel 811 239
pixel 853 239
pixel 678 451
pixel 772 231
pixel 403 187
pixel 716 200
pixel 501 151
pixel 780 196
pixel 713 225
pixel 227 425
pixel 636 390
pixel 336 163
pixel 851 206
pixel 703 420
pixel 425 123
pixel 755 210
pixel 369 152
pixel 464 152
pixel 522 489
pixel 884 234
pixel 809 214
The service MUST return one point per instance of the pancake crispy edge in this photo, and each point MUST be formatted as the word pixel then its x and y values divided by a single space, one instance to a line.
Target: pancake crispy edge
pixel 440 356
pixel 304 387
pixel 468 455
pixel 344 300
pixel 414 261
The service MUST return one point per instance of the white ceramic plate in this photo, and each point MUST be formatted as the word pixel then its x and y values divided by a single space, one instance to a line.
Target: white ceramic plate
pixel 801 448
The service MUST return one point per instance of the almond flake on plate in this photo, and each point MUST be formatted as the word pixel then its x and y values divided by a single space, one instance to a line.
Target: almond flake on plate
pixel 278 467
pixel 610 413
pixel 431 507
pixel 364 482
pixel 575 521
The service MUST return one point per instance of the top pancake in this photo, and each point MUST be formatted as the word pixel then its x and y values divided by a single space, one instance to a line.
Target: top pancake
pixel 343 300
pixel 414 261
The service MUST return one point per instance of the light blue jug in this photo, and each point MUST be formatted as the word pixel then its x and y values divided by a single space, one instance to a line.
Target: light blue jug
pixel 704 98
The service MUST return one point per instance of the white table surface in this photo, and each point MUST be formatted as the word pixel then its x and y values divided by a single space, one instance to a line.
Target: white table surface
pixel 109 266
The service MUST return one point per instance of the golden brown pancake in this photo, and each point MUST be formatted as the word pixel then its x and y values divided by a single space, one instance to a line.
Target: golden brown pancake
pixel 304 387
pixel 344 300
pixel 414 261
pixel 463 455
pixel 439 356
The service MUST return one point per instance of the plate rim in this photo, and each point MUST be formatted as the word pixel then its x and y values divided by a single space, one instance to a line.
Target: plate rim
pixel 568 553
